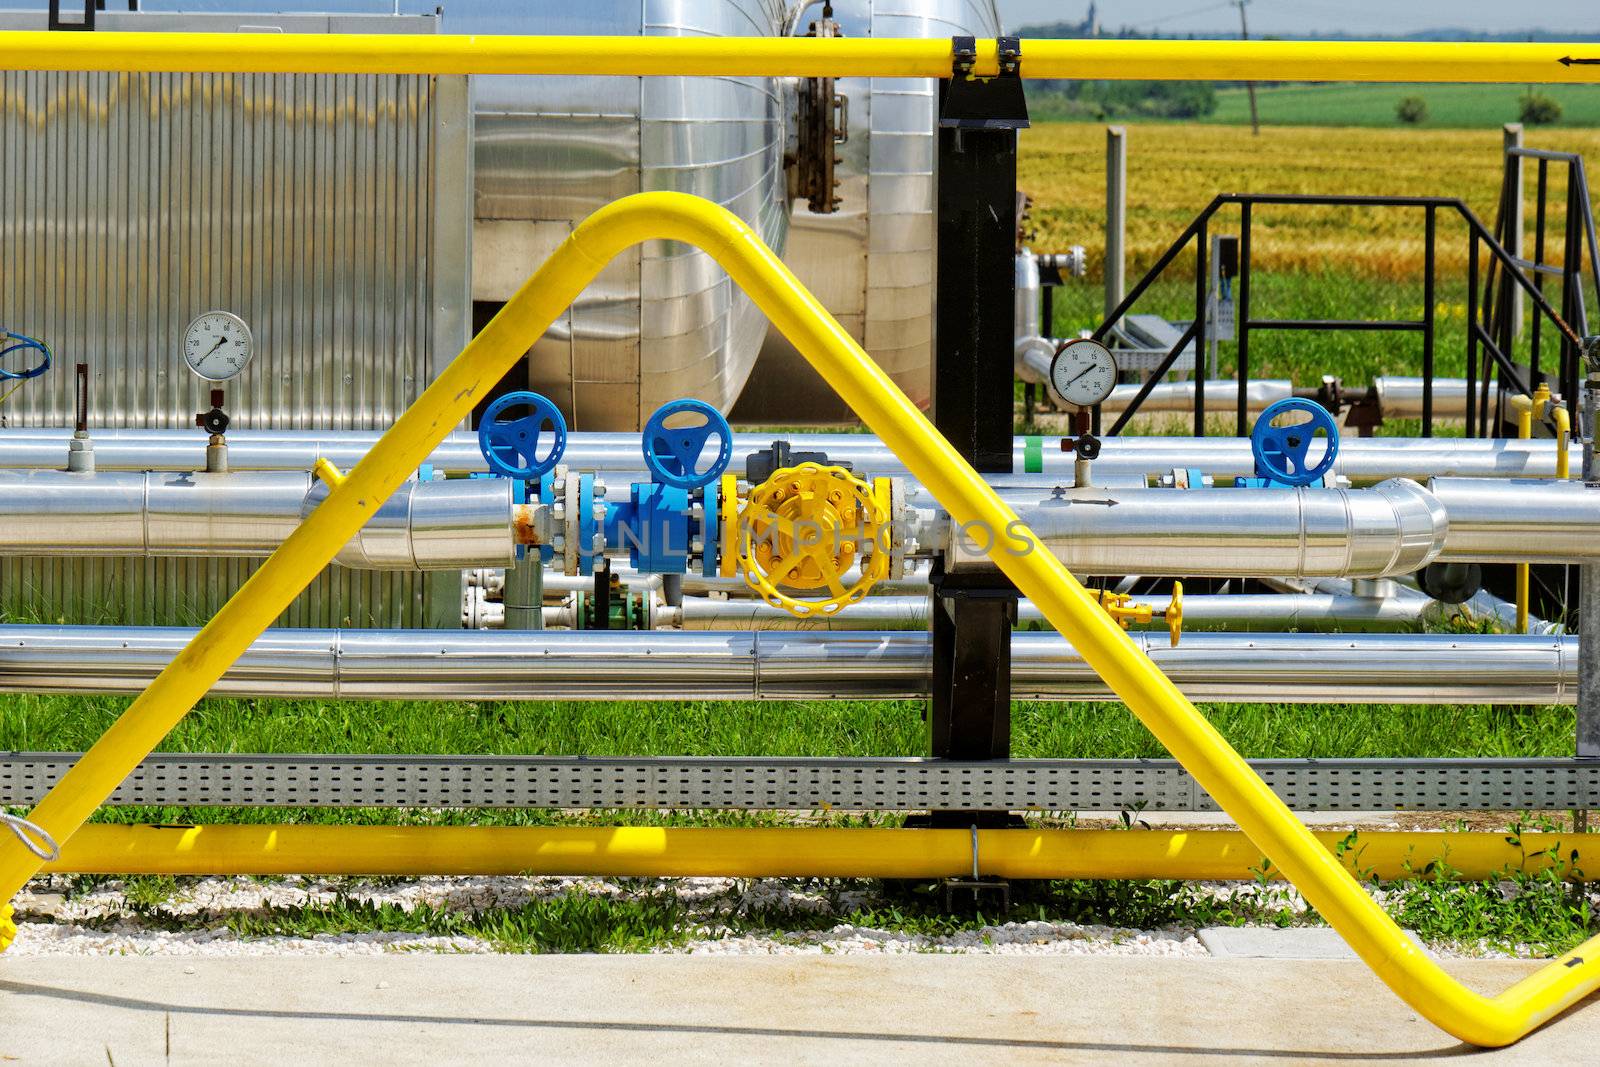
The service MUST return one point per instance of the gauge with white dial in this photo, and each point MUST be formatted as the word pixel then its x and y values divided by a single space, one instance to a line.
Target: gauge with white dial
pixel 1083 373
pixel 217 345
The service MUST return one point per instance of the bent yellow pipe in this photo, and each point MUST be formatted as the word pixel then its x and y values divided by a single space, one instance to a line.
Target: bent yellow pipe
pixel 780 852
pixel 835 57
pixel 929 457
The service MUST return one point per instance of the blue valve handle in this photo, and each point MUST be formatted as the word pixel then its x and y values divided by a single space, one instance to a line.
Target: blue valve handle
pixel 1281 452
pixel 511 447
pixel 673 454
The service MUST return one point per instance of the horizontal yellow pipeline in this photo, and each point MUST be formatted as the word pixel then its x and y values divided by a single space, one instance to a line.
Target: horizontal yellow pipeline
pixel 889 413
pixel 772 852
pixel 795 56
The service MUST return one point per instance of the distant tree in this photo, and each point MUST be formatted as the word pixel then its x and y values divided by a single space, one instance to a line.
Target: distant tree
pixel 1538 109
pixel 1411 110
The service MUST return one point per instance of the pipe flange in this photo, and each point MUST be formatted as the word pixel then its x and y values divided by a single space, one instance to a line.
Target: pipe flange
pixel 572 515
pixel 899 527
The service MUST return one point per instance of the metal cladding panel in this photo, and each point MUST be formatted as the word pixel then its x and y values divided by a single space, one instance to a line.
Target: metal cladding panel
pixel 661 321
pixel 129 203
pixel 329 211
pixel 871 263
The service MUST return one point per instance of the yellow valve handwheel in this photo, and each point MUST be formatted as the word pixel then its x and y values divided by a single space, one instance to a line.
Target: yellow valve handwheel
pixel 1174 613
pixel 803 528
pixel 1120 606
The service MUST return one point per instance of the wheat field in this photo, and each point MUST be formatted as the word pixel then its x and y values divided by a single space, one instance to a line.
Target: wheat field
pixel 1175 170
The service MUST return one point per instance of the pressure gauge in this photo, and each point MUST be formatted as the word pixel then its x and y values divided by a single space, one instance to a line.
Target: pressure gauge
pixel 217 345
pixel 1083 372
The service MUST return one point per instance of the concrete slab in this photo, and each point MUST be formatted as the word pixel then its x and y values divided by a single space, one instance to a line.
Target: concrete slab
pixel 798 1009
pixel 1290 943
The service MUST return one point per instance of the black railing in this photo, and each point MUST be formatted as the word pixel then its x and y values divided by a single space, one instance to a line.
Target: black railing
pixel 1578 230
pixel 1479 320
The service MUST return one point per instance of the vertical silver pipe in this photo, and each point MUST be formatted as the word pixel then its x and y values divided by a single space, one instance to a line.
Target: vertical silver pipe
pixel 1116 216
pixel 523 593
pixel 1589 660
pixel 1589 591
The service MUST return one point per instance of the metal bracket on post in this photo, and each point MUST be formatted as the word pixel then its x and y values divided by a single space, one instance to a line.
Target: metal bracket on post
pixel 974 609
pixel 87 23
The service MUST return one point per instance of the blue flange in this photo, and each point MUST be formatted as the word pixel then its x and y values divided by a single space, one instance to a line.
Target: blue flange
pixel 710 530
pixel 1281 452
pixel 587 527
pixel 673 454
pixel 511 447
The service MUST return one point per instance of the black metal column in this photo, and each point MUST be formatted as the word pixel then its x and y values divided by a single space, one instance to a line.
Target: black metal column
pixel 976 206
pixel 969 716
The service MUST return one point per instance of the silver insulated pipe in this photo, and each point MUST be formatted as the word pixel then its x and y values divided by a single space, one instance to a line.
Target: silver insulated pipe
pixel 1394 528
pixel 1519 520
pixel 1398 397
pixel 786 665
pixel 438 525
pixel 1361 460
pixel 1259 611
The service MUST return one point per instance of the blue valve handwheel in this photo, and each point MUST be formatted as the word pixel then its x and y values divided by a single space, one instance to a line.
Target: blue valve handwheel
pixel 1282 453
pixel 511 447
pixel 673 454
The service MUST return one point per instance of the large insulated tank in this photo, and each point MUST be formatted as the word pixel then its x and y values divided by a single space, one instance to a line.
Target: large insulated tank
pixel 871 263
pixel 663 321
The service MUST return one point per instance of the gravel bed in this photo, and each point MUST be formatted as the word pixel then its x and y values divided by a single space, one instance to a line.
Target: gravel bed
pixel 56 919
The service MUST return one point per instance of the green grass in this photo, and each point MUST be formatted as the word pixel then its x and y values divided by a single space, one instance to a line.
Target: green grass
pixel 1304 356
pixel 831 728
pixel 1449 106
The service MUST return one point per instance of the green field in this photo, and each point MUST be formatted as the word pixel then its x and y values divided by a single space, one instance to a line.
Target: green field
pixel 1449 106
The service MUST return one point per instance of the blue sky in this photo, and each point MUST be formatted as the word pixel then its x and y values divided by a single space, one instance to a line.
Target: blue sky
pixel 1294 16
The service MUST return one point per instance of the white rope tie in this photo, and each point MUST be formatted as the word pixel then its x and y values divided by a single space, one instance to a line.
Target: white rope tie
pixel 34 838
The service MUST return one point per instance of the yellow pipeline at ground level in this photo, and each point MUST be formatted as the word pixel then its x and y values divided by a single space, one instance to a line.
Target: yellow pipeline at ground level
pixel 928 457
pixel 834 57
pixel 782 852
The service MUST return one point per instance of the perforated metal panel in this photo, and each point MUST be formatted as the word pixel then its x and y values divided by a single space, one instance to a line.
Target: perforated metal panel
pixel 810 784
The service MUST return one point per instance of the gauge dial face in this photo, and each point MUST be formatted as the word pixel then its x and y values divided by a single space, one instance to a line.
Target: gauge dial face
pixel 217 345
pixel 1083 373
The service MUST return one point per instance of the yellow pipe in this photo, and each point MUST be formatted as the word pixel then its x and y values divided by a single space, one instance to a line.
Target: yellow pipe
pixel 774 852
pixel 1523 405
pixel 887 412
pixel 1563 440
pixel 1525 408
pixel 794 56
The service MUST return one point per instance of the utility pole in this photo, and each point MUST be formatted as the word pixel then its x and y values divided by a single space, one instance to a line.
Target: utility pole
pixel 1250 87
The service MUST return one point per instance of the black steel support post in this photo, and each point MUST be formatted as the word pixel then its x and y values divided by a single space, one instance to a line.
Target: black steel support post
pixel 974 317
pixel 1430 233
pixel 969 716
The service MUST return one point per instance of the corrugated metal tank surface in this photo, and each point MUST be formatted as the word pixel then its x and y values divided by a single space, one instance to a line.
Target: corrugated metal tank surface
pixel 328 211
pixel 871 263
pixel 663 321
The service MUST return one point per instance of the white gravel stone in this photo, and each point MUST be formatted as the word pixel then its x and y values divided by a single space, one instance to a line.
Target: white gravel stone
pixel 55 919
